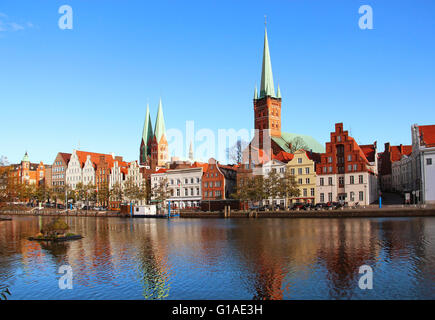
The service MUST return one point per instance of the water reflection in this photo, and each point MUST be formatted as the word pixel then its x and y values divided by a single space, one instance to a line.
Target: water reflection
pixel 223 259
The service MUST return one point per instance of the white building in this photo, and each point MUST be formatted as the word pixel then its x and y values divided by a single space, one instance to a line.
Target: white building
pixel 414 175
pixel 184 185
pixel 264 170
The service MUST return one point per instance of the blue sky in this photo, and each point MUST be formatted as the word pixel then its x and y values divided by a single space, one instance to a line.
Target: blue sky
pixel 90 85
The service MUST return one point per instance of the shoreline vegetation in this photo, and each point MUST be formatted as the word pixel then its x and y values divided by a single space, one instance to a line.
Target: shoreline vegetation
pixel 396 211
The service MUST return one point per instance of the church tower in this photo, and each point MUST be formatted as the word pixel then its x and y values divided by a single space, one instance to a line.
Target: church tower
pixel 267 104
pixel 159 146
pixel 147 137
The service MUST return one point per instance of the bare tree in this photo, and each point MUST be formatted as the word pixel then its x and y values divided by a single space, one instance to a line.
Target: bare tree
pixel 296 143
pixel 235 153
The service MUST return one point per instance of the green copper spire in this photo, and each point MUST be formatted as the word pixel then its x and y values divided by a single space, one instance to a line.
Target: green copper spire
pixel 25 158
pixel 147 133
pixel 278 93
pixel 267 88
pixel 159 130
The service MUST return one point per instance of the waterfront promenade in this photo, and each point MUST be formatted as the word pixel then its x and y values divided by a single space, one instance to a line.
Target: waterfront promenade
pixel 387 211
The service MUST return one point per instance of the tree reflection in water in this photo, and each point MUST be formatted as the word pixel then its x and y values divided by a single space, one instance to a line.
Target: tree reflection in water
pixel 154 272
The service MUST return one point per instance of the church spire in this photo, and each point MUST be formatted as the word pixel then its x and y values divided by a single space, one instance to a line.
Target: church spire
pixel 267 88
pixel 191 152
pixel 147 132
pixel 159 130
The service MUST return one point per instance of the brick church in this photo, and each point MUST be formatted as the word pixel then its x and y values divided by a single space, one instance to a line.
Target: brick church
pixel 269 140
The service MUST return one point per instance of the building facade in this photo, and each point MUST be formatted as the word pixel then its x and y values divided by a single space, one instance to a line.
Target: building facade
pixel 414 174
pixel 218 181
pixel 303 168
pixel 58 170
pixel 347 172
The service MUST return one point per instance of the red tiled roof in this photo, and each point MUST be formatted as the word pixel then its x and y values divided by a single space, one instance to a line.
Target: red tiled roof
pixel 427 135
pixel 161 170
pixel 95 158
pixel 369 151
pixel 284 156
pixel 397 152
pixel 65 156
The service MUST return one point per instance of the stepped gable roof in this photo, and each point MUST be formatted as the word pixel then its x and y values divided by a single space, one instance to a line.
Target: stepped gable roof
pixel 200 164
pixel 427 135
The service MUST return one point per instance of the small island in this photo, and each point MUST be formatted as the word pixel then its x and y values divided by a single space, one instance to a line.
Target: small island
pixel 55 231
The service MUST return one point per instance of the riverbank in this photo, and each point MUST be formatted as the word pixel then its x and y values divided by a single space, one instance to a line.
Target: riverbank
pixel 345 213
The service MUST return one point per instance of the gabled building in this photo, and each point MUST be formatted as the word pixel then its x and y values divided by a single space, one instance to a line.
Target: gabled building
pixel 83 168
pixel 347 172
pixel 390 155
pixel 27 173
pixel 414 174
pixel 303 167
pixel 218 181
pixel 58 170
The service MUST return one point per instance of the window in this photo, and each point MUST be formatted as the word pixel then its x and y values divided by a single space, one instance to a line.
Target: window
pixel 330 169
pixel 341 182
pixel 178 192
pixel 300 181
pixel 330 159
pixel 349 157
pixel 330 196
pixel 305 193
pixel 191 180
pixel 299 160
pixel 191 191
pixel 197 180
pixel 307 170
pixel 355 167
pixel 186 181
pixel 322 197
pixel 429 161
pixel 292 171
pixel 325 169
pixel 360 177
pixel 330 181
pixel 186 192
pixel 205 184
pixel 197 191
pixel 217 184
pixel 339 138
pixel 312 192
pixel 322 181
pixel 352 180
pixel 211 184
pixel 349 167
pixel 205 194
pixel 361 196
pixel 352 196
pixel 299 170
pixel 307 180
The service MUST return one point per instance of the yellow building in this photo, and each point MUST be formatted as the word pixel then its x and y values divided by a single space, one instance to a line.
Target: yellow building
pixel 302 166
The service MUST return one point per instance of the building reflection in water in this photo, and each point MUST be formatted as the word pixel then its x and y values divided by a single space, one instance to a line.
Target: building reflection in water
pixel 237 258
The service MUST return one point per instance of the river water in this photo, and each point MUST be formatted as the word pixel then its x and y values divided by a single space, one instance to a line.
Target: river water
pixel 222 259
